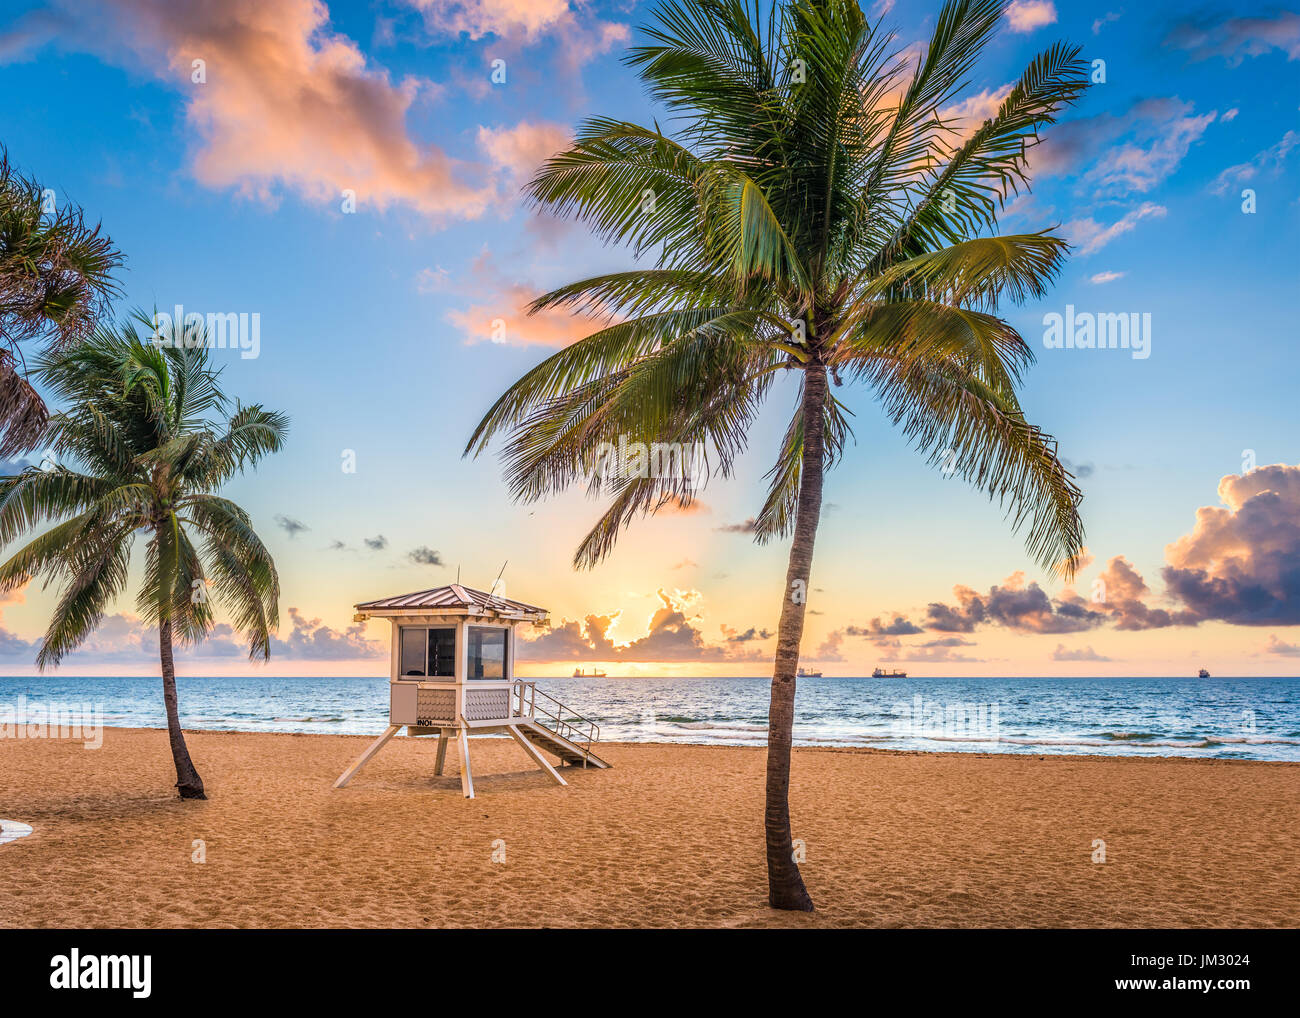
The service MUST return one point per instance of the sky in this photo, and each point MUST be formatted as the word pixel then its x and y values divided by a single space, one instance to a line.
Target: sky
pixel 351 172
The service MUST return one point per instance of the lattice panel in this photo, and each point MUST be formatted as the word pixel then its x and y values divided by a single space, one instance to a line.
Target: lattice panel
pixel 434 705
pixel 486 704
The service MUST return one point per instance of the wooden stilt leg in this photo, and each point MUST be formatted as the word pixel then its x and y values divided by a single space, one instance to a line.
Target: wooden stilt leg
pixel 444 737
pixel 364 758
pixel 535 753
pixel 466 778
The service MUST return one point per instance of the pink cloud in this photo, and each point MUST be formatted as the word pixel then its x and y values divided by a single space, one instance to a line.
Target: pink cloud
pixel 519 150
pixel 288 104
pixel 1026 15
pixel 498 312
pixel 1090 236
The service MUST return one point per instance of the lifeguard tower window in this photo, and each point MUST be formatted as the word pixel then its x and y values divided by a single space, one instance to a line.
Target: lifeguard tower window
pixel 428 652
pixel 487 653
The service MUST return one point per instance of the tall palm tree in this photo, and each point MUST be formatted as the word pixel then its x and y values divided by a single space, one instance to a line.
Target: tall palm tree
pixel 56 280
pixel 153 438
pixel 818 213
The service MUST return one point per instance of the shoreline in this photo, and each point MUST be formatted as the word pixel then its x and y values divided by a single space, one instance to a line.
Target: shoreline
pixel 671 836
pixel 797 748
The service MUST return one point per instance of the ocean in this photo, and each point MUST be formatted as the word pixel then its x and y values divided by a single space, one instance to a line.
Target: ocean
pixel 1224 718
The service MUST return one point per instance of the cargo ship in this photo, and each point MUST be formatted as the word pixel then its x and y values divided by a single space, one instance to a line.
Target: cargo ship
pixel 880 673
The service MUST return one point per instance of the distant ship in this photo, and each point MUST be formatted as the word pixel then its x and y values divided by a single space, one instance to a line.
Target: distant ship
pixel 1203 674
pixel 880 673
pixel 804 673
pixel 595 673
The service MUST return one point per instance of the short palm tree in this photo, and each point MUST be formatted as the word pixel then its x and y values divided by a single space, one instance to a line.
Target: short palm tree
pixel 56 280
pixel 151 437
pixel 819 214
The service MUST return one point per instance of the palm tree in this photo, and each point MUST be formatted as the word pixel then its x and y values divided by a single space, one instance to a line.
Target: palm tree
pixel 154 438
pixel 56 280
pixel 817 214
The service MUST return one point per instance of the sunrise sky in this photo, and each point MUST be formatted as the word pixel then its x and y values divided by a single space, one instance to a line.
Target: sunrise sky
pixel 231 194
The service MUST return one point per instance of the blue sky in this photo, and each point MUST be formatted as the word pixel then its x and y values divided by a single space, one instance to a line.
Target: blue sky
pixel 227 194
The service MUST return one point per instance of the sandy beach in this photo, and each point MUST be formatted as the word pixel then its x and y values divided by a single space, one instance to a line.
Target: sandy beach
pixel 670 837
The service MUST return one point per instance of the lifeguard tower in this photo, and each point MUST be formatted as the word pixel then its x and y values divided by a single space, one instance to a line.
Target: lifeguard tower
pixel 452 675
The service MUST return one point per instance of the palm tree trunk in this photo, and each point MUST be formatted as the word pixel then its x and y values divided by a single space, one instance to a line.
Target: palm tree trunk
pixel 188 782
pixel 784 884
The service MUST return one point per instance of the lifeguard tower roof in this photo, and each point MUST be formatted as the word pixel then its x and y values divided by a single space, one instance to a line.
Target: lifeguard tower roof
pixel 453 599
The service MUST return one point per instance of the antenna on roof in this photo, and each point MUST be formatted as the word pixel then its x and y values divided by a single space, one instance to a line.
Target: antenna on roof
pixel 492 589
pixel 458 572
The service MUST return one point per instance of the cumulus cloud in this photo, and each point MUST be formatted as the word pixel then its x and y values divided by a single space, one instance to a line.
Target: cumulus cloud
pixel 377 543
pixel 1121 591
pixel 1026 15
pixel 1281 648
pixel 519 150
pixel 515 24
pixel 1234 39
pixel 748 526
pixel 287 103
pixel 1079 654
pixel 310 639
pixel 1013 605
pixel 1241 561
pixel 670 636
pixel 499 311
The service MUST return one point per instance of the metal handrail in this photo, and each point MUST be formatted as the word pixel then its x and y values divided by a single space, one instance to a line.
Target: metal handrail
pixel 528 707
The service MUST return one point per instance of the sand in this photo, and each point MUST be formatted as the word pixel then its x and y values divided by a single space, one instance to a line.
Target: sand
pixel 670 837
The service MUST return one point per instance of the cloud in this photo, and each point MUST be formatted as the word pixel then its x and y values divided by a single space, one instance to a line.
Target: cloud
pixel 1081 654
pixel 1120 590
pixel 1105 277
pixel 29 31
pixel 670 636
pixel 290 526
pixel 1276 646
pixel 936 652
pixel 1241 562
pixel 829 650
pixel 1013 605
pixel 1091 236
pixel 1104 20
pixel 287 104
pixel 1270 160
pixel 967 116
pixel 1234 39
pixel 520 150
pixel 500 311
pixel 377 543
pixel 424 556
pixel 515 24
pixel 748 526
pixel 1116 154
pixel 310 639
pixel 752 633
pixel 882 633
pixel 1026 15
